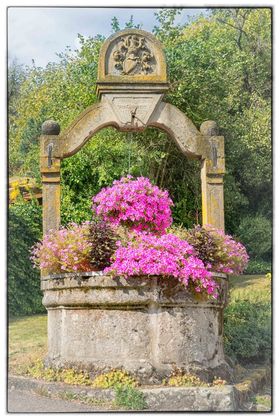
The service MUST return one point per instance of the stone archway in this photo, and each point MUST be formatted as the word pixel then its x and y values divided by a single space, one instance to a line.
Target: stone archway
pixel 131 83
pixel 142 326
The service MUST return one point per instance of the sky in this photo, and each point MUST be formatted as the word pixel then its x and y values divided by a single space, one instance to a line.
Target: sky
pixel 40 32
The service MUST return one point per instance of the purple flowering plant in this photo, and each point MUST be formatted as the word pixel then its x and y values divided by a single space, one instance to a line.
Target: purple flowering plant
pixel 165 255
pixel 142 241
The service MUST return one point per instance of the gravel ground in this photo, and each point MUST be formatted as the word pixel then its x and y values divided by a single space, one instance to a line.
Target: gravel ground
pixel 26 402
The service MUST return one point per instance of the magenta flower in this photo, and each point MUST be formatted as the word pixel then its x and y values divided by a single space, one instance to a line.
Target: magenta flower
pixel 135 203
pixel 167 256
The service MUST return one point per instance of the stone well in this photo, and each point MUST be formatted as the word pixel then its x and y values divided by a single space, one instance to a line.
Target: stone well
pixel 147 326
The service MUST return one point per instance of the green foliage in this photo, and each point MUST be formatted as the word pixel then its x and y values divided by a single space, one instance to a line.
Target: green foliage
pixel 103 239
pixel 16 76
pixel 219 67
pixel 258 267
pixel 24 229
pixel 130 398
pixel 262 402
pixel 38 371
pixel 114 378
pixel 247 319
pixel 256 232
pixel 247 330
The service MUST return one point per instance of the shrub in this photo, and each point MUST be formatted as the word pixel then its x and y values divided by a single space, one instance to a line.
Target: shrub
pixel 114 378
pixel 24 228
pixel 219 252
pixel 247 330
pixel 73 377
pixel 103 240
pixel 64 250
pixel 258 267
pixel 255 232
pixel 166 255
pixel 130 398
pixel 135 203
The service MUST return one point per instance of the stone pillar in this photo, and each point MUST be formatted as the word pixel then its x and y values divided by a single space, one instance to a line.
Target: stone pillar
pixel 212 173
pixel 50 172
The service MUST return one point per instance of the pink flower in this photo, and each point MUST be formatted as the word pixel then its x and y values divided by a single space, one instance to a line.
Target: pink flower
pixel 166 255
pixel 66 249
pixel 134 203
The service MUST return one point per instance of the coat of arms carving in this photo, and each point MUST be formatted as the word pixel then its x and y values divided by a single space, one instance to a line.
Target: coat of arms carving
pixel 133 56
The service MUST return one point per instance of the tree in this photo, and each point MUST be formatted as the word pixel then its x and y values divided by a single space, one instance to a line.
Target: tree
pixel 219 66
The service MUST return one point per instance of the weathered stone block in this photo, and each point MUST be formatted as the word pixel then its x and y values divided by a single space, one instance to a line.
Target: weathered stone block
pixel 148 326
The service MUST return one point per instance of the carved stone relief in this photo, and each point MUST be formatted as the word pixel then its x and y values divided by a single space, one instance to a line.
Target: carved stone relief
pixel 132 55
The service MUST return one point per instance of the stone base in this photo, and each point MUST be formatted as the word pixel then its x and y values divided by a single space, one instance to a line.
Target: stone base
pixel 148 326
pixel 164 399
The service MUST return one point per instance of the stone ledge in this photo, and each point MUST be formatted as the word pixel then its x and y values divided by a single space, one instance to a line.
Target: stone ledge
pixel 99 273
pixel 94 289
pixel 216 399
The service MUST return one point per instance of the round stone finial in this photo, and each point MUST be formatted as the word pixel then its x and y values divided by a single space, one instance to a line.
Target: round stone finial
pixel 209 128
pixel 50 127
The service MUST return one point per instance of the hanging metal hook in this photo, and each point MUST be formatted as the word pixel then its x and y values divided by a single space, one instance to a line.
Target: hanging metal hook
pixel 50 150
pixel 133 115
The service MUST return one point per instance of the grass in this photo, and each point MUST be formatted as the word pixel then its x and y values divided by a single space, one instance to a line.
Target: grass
pixel 255 288
pixel 130 398
pixel 262 402
pixel 27 341
pixel 247 319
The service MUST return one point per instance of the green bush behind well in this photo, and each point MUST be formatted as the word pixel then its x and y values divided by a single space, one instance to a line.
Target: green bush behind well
pixel 24 229
pixel 247 320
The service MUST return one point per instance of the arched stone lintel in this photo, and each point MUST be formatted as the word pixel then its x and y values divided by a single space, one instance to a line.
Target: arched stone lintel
pixel 169 118
pixel 165 117
pixel 208 148
pixel 89 122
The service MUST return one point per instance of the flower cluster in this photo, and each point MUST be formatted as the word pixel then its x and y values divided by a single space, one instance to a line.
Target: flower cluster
pixel 165 255
pixel 232 255
pixel 128 237
pixel 64 250
pixel 220 252
pixel 135 203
